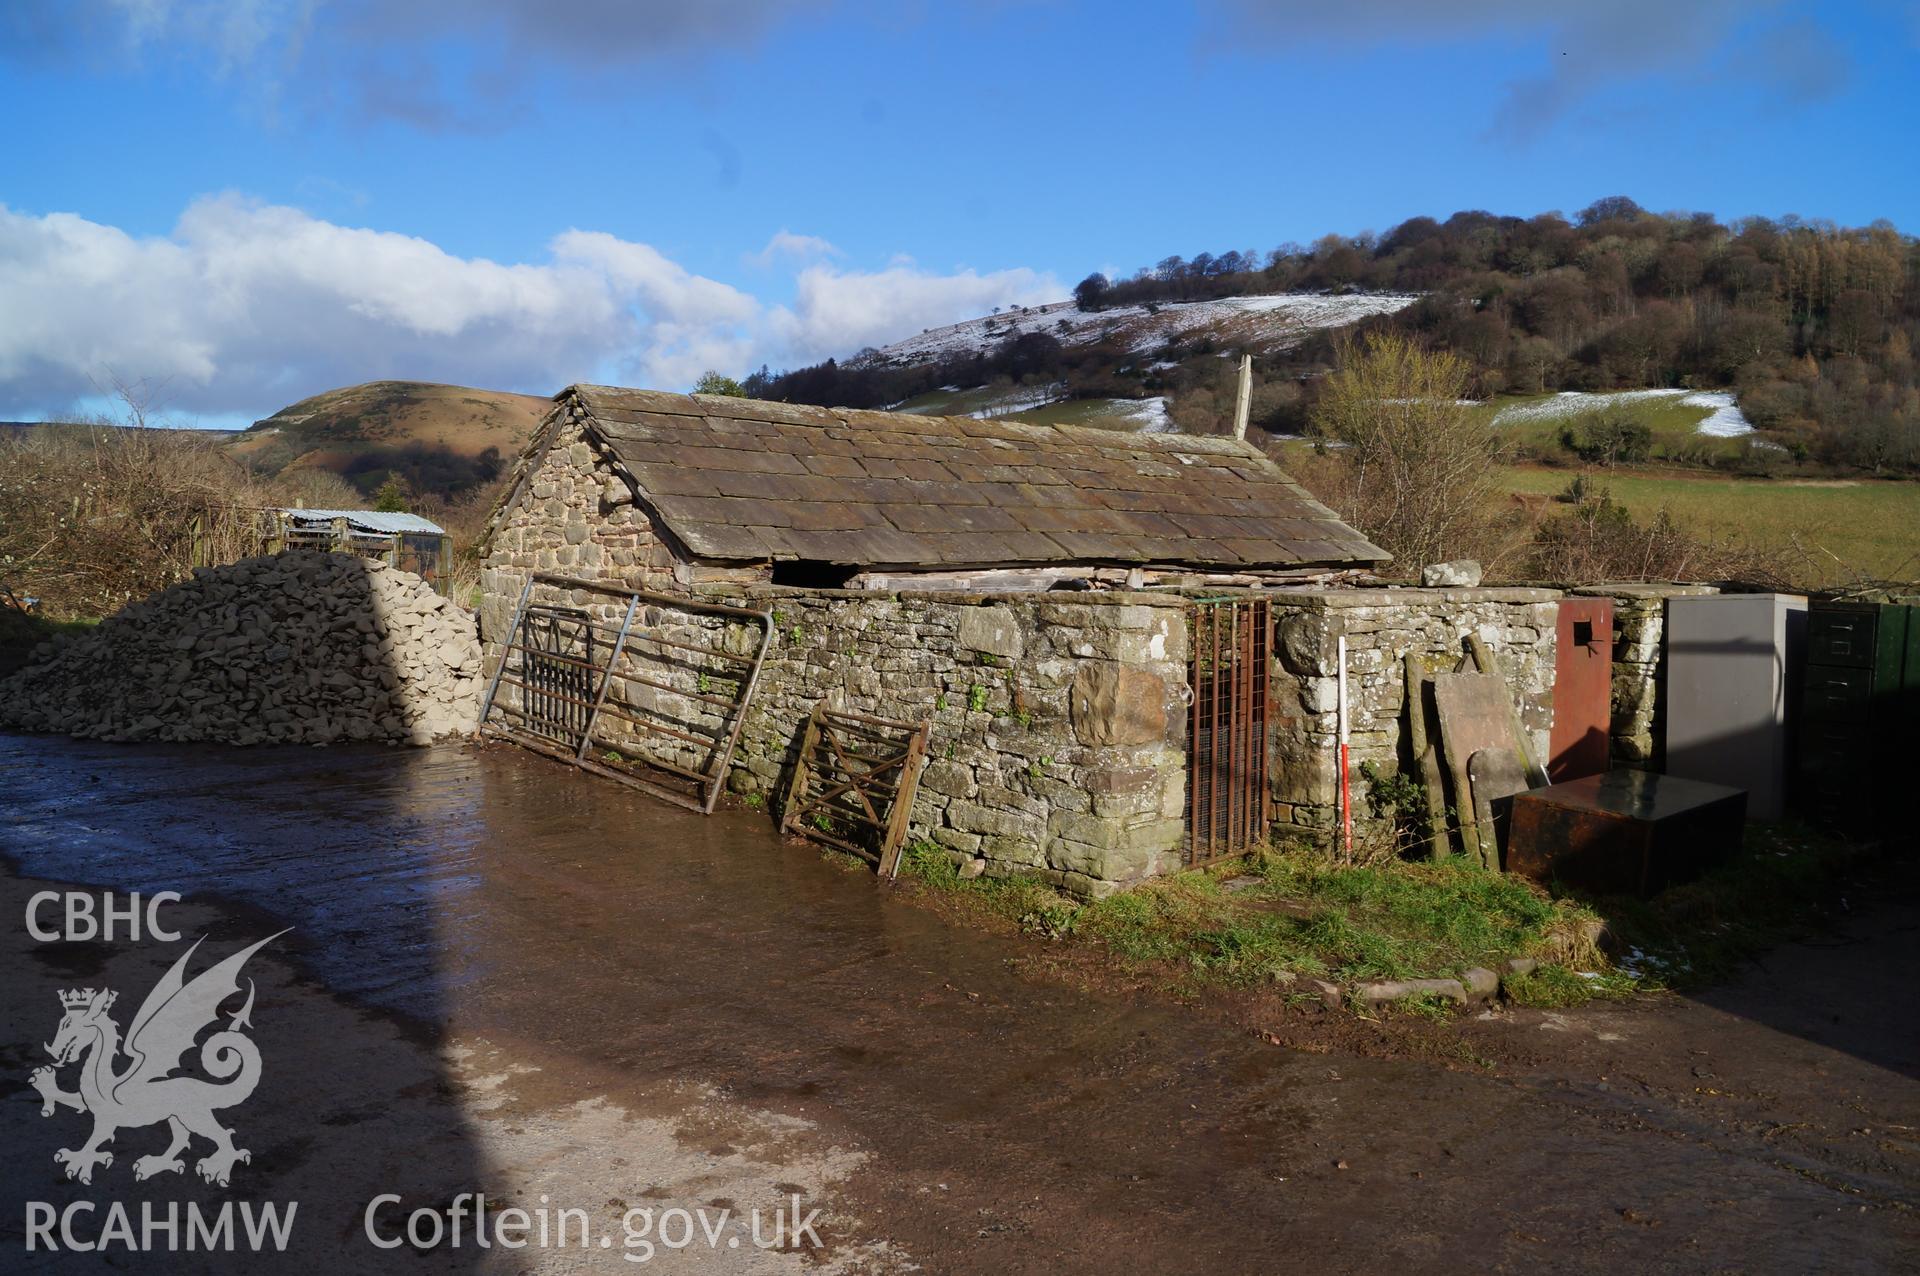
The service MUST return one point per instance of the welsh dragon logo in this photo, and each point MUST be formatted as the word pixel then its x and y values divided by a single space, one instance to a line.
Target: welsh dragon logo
pixel 146 1091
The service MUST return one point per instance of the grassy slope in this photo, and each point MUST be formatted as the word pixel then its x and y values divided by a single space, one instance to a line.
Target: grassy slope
pixel 1848 527
pixel 1011 402
pixel 1871 526
pixel 329 429
pixel 1671 421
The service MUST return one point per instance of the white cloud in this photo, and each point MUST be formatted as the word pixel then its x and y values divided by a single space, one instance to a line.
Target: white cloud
pixel 245 306
pixel 837 311
pixel 787 244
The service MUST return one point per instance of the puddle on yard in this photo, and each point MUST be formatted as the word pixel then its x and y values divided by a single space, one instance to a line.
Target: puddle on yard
pixel 592 977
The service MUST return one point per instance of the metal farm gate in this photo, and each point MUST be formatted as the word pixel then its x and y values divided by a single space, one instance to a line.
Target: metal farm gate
pixel 1227 789
pixel 644 688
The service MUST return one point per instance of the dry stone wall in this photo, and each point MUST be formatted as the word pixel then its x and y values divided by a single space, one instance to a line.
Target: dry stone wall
pixel 1382 627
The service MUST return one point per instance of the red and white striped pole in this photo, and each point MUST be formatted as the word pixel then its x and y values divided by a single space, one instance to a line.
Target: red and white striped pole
pixel 1346 791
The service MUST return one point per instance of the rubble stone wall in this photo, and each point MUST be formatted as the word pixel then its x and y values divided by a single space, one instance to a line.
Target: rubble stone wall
pixel 1382 627
pixel 1058 742
pixel 1059 724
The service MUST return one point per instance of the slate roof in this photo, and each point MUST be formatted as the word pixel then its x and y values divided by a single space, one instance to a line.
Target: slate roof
pixel 744 479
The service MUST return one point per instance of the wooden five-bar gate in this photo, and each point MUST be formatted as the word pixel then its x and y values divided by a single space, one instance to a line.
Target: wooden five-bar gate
pixel 854 781
pixel 1227 743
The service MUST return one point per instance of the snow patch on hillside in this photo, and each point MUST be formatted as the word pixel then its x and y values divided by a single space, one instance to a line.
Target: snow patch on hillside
pixel 1018 401
pixel 1724 419
pixel 1150 416
pixel 1271 323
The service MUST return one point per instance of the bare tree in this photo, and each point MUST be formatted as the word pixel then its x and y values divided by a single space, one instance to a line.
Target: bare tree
pixel 1418 465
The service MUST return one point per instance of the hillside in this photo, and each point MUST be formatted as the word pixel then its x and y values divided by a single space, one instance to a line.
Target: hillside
pixel 1152 365
pixel 441 439
pixel 1243 323
pixel 1807 332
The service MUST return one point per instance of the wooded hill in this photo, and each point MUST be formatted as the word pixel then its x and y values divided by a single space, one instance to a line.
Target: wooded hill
pixel 1813 325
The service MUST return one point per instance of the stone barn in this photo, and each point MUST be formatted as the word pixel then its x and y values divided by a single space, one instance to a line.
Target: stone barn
pixel 1117 642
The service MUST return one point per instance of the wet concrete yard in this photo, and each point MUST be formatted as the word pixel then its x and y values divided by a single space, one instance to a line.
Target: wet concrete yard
pixel 506 977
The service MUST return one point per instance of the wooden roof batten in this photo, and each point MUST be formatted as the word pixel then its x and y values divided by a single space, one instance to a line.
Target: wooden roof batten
pixel 747 480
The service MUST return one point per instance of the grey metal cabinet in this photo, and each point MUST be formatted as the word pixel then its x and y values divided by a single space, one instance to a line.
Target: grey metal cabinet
pixel 1733 672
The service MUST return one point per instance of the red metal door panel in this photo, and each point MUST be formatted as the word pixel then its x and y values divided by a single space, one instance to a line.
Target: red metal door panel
pixel 1582 689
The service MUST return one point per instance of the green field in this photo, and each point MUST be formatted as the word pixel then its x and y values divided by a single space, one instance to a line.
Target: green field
pixel 1871 527
pixel 1539 418
pixel 1017 403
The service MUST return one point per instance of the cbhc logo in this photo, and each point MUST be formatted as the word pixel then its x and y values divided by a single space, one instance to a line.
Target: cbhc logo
pixel 82 917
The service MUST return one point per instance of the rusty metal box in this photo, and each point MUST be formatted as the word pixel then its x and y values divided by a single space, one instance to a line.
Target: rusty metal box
pixel 1625 832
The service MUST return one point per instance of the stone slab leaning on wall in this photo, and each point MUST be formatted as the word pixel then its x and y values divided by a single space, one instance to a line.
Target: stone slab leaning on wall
pixel 1381 627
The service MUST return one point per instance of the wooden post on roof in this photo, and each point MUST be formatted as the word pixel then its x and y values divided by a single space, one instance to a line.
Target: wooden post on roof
pixel 1243 401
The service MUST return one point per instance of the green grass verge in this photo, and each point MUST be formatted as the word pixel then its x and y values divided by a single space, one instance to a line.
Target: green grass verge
pixel 1279 916
pixel 1551 984
pixel 1286 915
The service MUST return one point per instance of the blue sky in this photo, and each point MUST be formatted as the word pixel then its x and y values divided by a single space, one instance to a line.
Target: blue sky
pixel 248 202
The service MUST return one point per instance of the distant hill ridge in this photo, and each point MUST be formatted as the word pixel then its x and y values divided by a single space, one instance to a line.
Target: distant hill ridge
pixel 441 439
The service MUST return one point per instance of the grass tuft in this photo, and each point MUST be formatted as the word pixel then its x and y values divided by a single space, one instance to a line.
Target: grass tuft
pixel 1287 916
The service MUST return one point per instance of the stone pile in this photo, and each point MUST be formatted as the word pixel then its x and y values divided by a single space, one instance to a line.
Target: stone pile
pixel 298 648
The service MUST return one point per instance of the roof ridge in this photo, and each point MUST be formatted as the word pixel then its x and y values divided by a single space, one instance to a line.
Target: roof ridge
pixel 776 410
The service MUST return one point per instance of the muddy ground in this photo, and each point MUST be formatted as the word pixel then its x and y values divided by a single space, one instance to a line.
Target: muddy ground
pixel 507 978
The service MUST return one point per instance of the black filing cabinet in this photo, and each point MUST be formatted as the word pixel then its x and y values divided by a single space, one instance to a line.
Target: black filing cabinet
pixel 1860 720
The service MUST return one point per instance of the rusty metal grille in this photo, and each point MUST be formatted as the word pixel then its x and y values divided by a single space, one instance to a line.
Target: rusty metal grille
pixel 645 688
pixel 557 646
pixel 1227 789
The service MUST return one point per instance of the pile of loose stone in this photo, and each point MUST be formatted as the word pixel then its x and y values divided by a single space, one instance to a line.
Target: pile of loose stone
pixel 297 648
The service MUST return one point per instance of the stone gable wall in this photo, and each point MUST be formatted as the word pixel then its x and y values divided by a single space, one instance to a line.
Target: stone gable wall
pixel 577 518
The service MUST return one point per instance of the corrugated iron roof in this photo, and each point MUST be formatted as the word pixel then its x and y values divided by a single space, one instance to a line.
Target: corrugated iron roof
pixel 380 521
pixel 744 479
